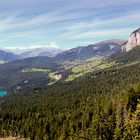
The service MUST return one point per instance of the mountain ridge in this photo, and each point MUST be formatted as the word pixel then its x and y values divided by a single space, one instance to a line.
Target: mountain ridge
pixel 103 48
pixel 49 52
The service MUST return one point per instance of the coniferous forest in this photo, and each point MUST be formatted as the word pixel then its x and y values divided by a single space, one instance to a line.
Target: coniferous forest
pixel 104 105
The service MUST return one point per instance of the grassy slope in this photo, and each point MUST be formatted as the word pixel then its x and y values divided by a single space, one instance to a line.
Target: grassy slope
pixel 34 70
pixel 91 65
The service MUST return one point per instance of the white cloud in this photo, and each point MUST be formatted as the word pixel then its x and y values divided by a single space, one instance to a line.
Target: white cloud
pixel 109 33
pixel 103 27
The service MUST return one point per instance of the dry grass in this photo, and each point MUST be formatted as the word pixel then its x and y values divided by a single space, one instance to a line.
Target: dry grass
pixel 12 138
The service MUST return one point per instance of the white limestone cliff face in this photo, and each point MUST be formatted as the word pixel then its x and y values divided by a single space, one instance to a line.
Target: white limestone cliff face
pixel 133 41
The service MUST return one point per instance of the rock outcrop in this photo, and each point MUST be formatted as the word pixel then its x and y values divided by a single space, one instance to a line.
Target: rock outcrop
pixel 133 41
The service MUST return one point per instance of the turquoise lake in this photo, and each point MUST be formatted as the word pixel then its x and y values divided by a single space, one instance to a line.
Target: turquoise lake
pixel 3 92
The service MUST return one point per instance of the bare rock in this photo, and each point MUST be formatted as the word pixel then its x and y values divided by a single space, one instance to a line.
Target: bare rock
pixel 133 41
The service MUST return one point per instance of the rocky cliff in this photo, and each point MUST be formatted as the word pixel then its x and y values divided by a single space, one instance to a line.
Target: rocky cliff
pixel 133 41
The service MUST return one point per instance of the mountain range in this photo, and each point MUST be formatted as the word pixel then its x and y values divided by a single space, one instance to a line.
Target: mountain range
pixel 50 52
pixel 7 55
pixel 104 48
pixel 35 69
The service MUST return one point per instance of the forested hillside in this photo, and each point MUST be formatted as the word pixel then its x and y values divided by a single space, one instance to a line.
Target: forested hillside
pixel 28 73
pixel 102 105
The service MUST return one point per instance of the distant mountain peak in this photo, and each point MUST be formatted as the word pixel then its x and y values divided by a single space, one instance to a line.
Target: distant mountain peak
pixel 133 41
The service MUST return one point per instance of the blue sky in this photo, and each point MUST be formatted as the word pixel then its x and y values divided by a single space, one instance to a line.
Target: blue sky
pixel 65 23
